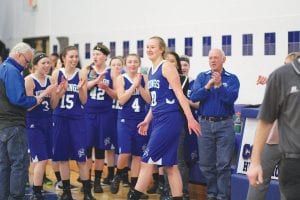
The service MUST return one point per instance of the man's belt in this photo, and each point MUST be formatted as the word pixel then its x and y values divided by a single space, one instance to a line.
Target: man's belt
pixel 215 119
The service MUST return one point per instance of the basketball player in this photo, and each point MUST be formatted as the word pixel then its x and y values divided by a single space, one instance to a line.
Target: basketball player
pixel 101 128
pixel 69 129
pixel 166 93
pixel 39 121
pixel 133 94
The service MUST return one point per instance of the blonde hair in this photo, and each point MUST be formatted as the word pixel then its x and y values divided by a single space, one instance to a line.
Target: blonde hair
pixel 161 43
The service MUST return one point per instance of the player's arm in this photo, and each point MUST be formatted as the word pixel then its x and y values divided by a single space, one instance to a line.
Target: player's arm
pixel 82 86
pixel 144 91
pixel 123 95
pixel 60 91
pixel 171 74
pixel 255 173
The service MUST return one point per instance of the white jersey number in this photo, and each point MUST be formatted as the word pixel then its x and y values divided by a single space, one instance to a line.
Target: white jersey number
pixel 97 94
pixel 45 106
pixel 67 101
pixel 153 98
pixel 135 105
pixel 116 105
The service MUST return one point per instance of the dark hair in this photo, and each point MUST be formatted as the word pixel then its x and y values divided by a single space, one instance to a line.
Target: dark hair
pixel 102 48
pixel 55 54
pixel 185 58
pixel 37 57
pixel 179 67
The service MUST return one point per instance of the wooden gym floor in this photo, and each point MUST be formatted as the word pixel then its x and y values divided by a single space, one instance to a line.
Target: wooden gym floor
pixel 197 192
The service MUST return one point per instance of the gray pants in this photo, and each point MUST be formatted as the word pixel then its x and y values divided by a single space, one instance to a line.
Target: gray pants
pixel 270 158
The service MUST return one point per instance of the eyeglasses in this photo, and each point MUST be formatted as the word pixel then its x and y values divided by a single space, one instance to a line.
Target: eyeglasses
pixel 27 61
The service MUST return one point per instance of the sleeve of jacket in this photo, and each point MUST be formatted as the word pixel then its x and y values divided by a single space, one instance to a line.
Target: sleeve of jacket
pixel 199 93
pixel 229 93
pixel 15 90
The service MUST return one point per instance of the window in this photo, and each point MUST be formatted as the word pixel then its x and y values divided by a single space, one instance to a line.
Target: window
pixel 140 48
pixel 112 48
pixel 226 44
pixel 87 50
pixel 188 49
pixel 270 43
pixel 54 50
pixel 125 48
pixel 206 45
pixel 77 46
pixel 171 44
pixel 247 44
pixel 294 41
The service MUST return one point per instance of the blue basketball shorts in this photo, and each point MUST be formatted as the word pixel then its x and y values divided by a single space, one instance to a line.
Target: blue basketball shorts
pixel 163 143
pixel 69 139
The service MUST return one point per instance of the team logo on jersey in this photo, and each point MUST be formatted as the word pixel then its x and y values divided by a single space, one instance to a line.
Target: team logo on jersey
pixel 194 155
pixel 144 147
pixel 123 120
pixel 146 152
pixel 35 159
pixel 81 152
pixel 107 141
pixel 31 126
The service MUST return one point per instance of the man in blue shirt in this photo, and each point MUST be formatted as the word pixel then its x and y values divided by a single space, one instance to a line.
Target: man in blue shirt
pixel 14 159
pixel 217 91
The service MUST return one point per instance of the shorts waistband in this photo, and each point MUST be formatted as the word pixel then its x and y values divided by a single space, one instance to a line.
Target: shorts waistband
pixel 215 119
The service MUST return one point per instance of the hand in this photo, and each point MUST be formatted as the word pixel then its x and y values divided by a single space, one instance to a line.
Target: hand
pixel 63 86
pixel 194 126
pixel 255 174
pixel 51 88
pixel 137 80
pixel 103 86
pixel 261 80
pixel 209 84
pixel 217 79
pixel 81 83
pixel 64 83
pixel 143 127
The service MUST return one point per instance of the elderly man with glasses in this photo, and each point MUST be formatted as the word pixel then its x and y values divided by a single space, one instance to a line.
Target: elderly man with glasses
pixel 14 159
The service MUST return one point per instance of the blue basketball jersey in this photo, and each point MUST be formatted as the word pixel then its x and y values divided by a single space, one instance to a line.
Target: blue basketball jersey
pixel 163 98
pixel 98 99
pixel 134 108
pixel 70 105
pixel 43 110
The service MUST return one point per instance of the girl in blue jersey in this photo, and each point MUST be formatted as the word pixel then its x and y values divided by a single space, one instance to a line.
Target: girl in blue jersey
pixel 39 120
pixel 133 95
pixel 166 96
pixel 101 131
pixel 116 64
pixel 69 128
